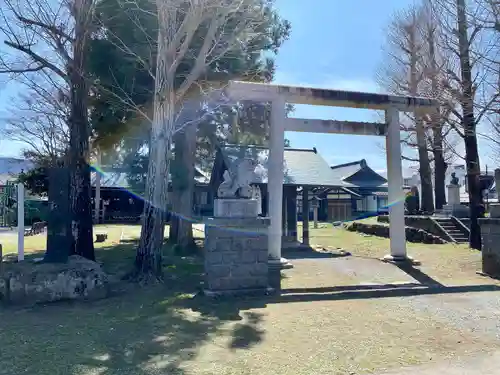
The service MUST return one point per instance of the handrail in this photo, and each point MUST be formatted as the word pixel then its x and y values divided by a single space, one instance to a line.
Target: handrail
pixel 436 223
pixel 461 225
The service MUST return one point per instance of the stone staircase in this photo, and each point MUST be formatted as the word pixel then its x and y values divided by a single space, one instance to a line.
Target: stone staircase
pixel 458 234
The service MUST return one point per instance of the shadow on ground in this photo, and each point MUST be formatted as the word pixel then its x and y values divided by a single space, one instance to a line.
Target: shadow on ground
pixel 159 329
pixel 139 331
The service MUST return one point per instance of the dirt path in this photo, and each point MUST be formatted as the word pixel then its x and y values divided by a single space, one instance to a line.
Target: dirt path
pixel 356 316
pixel 340 316
pixel 486 364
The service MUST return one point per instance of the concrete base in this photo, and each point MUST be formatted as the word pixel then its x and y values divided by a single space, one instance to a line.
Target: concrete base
pixel 281 264
pixel 494 209
pixel 456 210
pixel 401 260
pixel 237 292
pixel 226 207
pixel 275 266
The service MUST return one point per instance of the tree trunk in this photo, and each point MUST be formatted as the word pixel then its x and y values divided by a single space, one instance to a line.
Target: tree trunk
pixel 427 204
pixel 439 168
pixel 148 261
pixel 183 185
pixel 436 122
pixel 79 153
pixel 469 126
pixel 149 254
pixel 174 219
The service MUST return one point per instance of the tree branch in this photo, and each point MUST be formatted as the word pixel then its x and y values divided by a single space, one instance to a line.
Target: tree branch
pixel 44 62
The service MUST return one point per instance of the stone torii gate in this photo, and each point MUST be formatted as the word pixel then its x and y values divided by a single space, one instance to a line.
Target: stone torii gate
pixel 279 95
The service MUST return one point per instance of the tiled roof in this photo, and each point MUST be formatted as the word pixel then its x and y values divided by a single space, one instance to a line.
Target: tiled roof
pixel 358 174
pixel 304 167
pixel 117 178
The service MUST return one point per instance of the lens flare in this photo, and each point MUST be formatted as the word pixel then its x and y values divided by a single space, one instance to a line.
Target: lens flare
pixel 194 220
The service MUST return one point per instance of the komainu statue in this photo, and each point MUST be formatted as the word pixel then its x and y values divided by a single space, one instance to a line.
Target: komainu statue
pixel 237 180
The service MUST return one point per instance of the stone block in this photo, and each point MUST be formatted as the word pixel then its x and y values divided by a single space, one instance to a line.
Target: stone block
pixel 220 284
pixel 79 278
pixel 494 210
pixel 236 254
pixel 262 255
pixel 3 289
pixel 240 271
pixel 249 282
pixel 260 242
pixel 259 269
pixel 236 208
pixel 223 244
pixel 230 257
pixel 490 232
pixel 221 270
pixel 249 256
pixel 239 244
pixel 212 258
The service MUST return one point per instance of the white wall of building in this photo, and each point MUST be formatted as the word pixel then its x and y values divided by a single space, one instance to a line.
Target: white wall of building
pixel 371 203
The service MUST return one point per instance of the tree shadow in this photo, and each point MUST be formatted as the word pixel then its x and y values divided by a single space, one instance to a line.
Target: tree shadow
pixel 396 291
pixel 246 335
pixel 138 331
pixel 135 331
pixel 248 332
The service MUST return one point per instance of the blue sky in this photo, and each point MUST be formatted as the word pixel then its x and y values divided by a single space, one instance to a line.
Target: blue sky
pixel 338 44
pixel 334 44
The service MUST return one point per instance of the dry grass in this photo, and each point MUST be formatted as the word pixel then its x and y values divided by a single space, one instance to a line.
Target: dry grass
pixel 162 330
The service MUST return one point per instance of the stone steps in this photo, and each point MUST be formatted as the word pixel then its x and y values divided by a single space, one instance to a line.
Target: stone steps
pixel 455 232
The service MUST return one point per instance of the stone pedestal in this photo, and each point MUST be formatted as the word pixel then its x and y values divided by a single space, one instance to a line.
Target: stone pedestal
pixel 490 233
pixel 236 255
pixel 494 209
pixel 453 194
pixel 497 183
pixel 454 208
pixel 233 207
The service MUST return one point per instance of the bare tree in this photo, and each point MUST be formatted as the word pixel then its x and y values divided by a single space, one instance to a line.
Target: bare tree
pixel 471 98
pixel 403 73
pixel 179 24
pixel 51 37
pixel 38 119
pixel 442 139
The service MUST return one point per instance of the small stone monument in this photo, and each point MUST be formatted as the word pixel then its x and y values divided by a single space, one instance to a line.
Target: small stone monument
pixel 494 208
pixel 490 233
pixel 236 255
pixel 454 208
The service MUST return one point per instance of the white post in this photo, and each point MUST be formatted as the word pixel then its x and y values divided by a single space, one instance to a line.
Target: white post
pixel 275 178
pixel 97 200
pixel 20 222
pixel 396 193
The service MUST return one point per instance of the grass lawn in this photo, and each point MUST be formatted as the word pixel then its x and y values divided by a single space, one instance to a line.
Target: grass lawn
pixel 163 330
